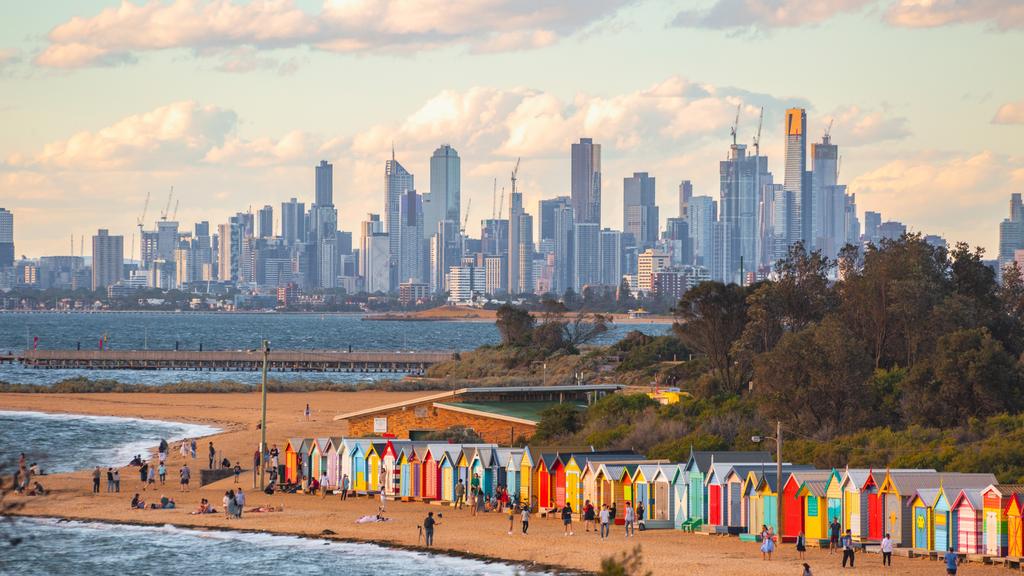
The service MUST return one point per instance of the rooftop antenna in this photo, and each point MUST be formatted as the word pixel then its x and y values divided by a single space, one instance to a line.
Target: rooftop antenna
pixel 735 125
pixel 757 139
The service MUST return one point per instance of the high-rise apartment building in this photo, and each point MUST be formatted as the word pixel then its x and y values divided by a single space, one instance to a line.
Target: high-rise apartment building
pixel 410 261
pixel 546 212
pixel 324 184
pixel 586 255
pixel 685 193
pixel 586 181
pixel 293 222
pixel 6 238
pixel 610 255
pixel 397 181
pixel 443 201
pixel 639 210
pixel 703 215
pixel 649 263
pixel 265 219
pixel 375 256
pixel 107 259
pixel 796 173
pixel 563 269
pixel 872 220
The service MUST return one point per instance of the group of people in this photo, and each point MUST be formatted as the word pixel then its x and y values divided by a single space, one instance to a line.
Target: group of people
pixel 22 482
pixel 165 503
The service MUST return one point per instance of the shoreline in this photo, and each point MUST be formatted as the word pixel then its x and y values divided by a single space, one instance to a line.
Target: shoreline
pixel 451 552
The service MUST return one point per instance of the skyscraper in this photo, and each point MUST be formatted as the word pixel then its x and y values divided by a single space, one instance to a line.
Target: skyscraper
pixel 586 255
pixel 703 214
pixel 610 254
pixel 515 214
pixel 796 167
pixel 325 184
pixel 410 262
pixel 293 222
pixel 564 240
pixel 443 202
pixel 107 259
pixel 740 208
pixel 397 181
pixel 265 217
pixel 685 193
pixel 6 238
pixel 872 220
pixel 375 256
pixel 1011 234
pixel 546 212
pixel 586 181
pixel 639 211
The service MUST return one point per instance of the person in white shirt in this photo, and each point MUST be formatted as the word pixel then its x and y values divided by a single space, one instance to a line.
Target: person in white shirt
pixel 887 550
pixel 605 519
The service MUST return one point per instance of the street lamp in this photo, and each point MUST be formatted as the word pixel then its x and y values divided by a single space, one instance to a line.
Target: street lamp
pixel 263 416
pixel 778 471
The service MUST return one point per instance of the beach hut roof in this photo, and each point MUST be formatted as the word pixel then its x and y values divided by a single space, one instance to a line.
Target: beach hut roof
pixel 336 442
pixel 909 482
pixel 615 471
pixel 296 443
pixel 702 459
pixel 769 476
pixel 549 459
pixel 970 495
pixel 928 495
pixel 584 458
pixel 306 446
pixel 1006 489
pixel 323 443
pixel 857 476
pixel 816 488
pixel 650 471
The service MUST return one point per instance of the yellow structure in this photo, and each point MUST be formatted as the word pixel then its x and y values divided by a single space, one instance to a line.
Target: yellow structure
pixel 372 469
pixel 527 478
pixel 573 484
pixel 815 509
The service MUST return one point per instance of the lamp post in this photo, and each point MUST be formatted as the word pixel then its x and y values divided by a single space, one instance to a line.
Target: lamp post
pixel 778 471
pixel 263 416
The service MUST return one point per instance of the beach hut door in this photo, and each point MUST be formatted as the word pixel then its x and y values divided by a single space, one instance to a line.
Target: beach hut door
pixel 991 533
pixel 920 528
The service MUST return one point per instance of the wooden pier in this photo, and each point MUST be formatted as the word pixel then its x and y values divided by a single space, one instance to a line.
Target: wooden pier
pixel 241 361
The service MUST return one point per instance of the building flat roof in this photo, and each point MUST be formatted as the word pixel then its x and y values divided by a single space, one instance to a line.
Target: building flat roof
pixel 523 412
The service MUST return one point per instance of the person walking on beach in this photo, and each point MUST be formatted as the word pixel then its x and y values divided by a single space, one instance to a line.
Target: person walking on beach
pixel 192 445
pixel 606 518
pixel 767 543
pixel 630 518
pixel 237 471
pixel 307 411
pixel 801 545
pixel 151 479
pixel 323 484
pixel 511 518
pixel 144 474
pixel 460 495
pixel 213 456
pixel 886 548
pixel 183 448
pixel 163 473
pixel 240 502
pixel 951 559
pixel 567 520
pixel 229 504
pixel 110 479
pixel 185 475
pixel 526 518
pixel 846 542
pixel 428 528
pixel 834 532
pixel 95 480
pixel 344 486
pixel 163 450
pixel 117 480
pixel 588 515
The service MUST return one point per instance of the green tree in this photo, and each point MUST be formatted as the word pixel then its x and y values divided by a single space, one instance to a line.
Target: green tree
pixel 515 325
pixel 558 420
pixel 709 319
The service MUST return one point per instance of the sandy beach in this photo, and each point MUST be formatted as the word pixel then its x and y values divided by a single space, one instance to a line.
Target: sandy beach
pixel 664 551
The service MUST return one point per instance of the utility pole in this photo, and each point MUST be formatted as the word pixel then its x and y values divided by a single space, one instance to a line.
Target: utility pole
pixel 263 416
pixel 778 476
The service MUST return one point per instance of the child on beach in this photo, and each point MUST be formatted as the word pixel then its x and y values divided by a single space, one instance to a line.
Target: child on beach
pixel 511 518
pixel 767 543
pixel 163 473
pixel 526 518
pixel 630 518
pixel 588 515
pixel 238 472
pixel 567 520
pixel 606 516
pixel 801 545
pixel 151 481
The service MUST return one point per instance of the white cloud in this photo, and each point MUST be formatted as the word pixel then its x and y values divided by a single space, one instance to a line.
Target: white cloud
pixel 855 126
pixel 766 14
pixel 999 14
pixel 1010 113
pixel 117 34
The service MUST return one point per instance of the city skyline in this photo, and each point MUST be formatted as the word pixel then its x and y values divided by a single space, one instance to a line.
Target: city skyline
pixel 937 158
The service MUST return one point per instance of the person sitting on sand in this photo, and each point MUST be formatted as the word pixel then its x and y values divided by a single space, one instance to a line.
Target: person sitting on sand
pixel 138 503
pixel 37 490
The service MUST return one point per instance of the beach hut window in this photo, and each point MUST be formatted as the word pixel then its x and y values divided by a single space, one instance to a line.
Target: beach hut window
pixel 812 507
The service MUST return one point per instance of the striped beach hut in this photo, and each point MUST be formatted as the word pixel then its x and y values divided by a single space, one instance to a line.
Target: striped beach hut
pixel 660 502
pixel 943 526
pixel 969 513
pixel 430 488
pixel 527 478
pixel 292 457
pixel 834 497
pixel 995 500
pixel 406 455
pixel 318 457
pixel 449 475
pixel 574 481
pixel 334 449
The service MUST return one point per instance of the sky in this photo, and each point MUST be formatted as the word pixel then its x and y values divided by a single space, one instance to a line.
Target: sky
pixel 234 102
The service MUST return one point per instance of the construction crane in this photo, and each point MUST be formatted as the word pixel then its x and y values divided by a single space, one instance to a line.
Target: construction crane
pixel 139 222
pixel 465 218
pixel 174 216
pixel 494 200
pixel 163 215
pixel 839 166
pixel 501 203
pixel 828 131
pixel 515 175
pixel 757 139
pixel 735 125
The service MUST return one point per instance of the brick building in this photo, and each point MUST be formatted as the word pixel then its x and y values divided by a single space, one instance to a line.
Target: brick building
pixel 499 414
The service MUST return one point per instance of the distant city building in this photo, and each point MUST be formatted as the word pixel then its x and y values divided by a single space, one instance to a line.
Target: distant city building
pixel 375 256
pixel 563 270
pixel 872 221
pixel 324 184
pixel 546 211
pixel 412 292
pixel 796 173
pixel 1011 234
pixel 6 238
pixel 703 215
pixel 586 181
pixel 443 200
pixel 293 222
pixel 639 211
pixel 586 255
pixel 411 264
pixel 648 264
pixel 397 181
pixel 892 230
pixel 466 284
pixel 265 217
pixel 107 259
pixel 611 256
pixel 685 193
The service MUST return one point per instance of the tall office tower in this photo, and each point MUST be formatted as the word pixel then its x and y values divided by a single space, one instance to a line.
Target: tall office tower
pixel 677 239
pixel 374 256
pixel 564 240
pixel 778 214
pixel 293 221
pixel 1011 234
pixel 703 215
pixel 496 274
pixel 445 252
pixel 721 257
pixel 397 181
pixel 872 220
pixel 685 193
pixel 639 211
pixel 202 252
pixel 546 212
pixel 166 239
pixel 410 263
pixel 6 238
pixel 852 223
pixel 148 251
pixel 827 202
pixel 586 255
pixel 586 181
pixel 231 256
pixel 515 214
pixel 610 255
pixel 494 237
pixel 325 184
pixel 796 168
pixel 266 222
pixel 1016 208
pixel 107 259
pixel 526 275
pixel 184 266
pixel 443 202
pixel 740 204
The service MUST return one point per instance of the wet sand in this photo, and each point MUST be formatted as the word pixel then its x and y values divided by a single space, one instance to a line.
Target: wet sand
pixel 664 551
